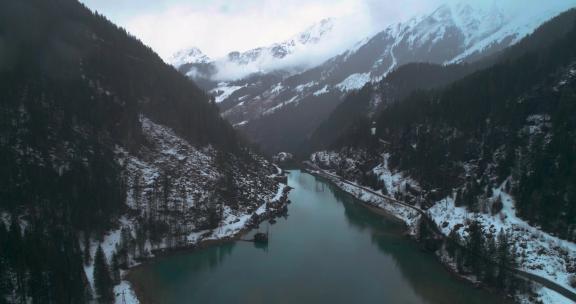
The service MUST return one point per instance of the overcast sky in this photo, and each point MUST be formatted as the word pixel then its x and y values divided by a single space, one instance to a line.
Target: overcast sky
pixel 220 26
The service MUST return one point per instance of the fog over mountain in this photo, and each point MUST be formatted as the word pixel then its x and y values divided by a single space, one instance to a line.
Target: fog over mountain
pixel 278 105
pixel 219 27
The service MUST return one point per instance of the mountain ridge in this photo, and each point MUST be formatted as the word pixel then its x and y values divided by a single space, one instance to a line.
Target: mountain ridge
pixel 264 59
pixel 433 38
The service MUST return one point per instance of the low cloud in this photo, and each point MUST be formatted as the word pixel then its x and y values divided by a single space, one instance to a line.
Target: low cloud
pixel 225 26
pixel 218 27
pixel 341 37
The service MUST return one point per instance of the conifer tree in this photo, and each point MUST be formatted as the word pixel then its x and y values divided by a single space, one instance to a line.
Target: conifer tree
pixel 86 250
pixel 115 269
pixel 475 247
pixel 503 259
pixel 4 288
pixel 102 278
pixel 16 257
pixel 490 253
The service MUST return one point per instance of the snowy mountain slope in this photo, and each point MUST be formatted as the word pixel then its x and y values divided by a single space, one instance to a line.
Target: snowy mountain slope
pixel 176 188
pixel 195 176
pixel 451 33
pixel 312 35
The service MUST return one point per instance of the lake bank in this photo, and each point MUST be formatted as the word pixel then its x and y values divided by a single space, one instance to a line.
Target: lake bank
pixel 328 249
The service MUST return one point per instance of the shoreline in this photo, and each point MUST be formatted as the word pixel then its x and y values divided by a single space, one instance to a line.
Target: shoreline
pixel 140 295
pixel 381 211
pixel 139 290
pixel 390 215
pixel 543 283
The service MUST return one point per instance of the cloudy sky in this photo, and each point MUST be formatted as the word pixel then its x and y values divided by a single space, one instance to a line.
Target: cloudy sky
pixel 220 26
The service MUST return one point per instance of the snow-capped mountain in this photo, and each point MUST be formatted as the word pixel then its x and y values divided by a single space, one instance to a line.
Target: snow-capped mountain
pixel 450 33
pixel 261 60
pixel 189 56
pixel 313 35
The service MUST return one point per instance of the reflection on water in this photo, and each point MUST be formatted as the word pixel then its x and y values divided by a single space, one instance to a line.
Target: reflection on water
pixel 330 249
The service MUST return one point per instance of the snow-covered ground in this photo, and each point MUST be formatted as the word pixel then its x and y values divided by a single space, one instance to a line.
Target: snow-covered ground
pixel 374 198
pixel 324 90
pixel 109 244
pixel 280 105
pixel 124 294
pixel 551 297
pixel 224 90
pixel 395 182
pixel 354 82
pixel 407 215
pixel 540 253
pixel 305 86
pixel 175 182
pixel 232 224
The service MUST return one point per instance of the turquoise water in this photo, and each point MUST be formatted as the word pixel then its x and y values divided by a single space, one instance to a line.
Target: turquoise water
pixel 329 249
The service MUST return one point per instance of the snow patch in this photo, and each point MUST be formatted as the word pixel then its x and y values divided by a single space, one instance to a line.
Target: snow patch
pixel 322 91
pixel 540 253
pixel 354 82
pixel 223 91
pixel 302 87
pixel 124 294
pixel 395 182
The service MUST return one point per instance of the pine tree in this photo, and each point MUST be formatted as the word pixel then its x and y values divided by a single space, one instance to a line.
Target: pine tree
pixel 86 250
pixel 126 246
pixel 166 189
pixel 475 247
pixel 16 257
pixel 504 259
pixel 137 190
pixel 4 271
pixel 115 269
pixel 102 278
pixel 452 243
pixel 140 239
pixel 490 253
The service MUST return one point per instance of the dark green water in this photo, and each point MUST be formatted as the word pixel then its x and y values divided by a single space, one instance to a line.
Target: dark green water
pixel 329 250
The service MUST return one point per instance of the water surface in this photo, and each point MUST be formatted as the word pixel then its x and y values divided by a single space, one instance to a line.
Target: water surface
pixel 330 249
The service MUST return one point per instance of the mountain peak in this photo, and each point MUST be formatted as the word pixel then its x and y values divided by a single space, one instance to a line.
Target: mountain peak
pixel 191 55
pixel 443 12
pixel 316 32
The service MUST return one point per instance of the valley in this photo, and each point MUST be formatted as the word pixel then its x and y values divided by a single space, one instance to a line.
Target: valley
pixel 325 234
pixel 380 153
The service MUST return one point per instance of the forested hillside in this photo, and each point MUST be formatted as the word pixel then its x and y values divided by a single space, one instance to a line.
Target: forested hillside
pixel 98 134
pixel 491 153
pixel 269 106
pixel 513 119
pixel 359 108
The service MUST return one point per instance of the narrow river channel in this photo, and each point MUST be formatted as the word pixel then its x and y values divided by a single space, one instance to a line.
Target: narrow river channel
pixel 330 249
